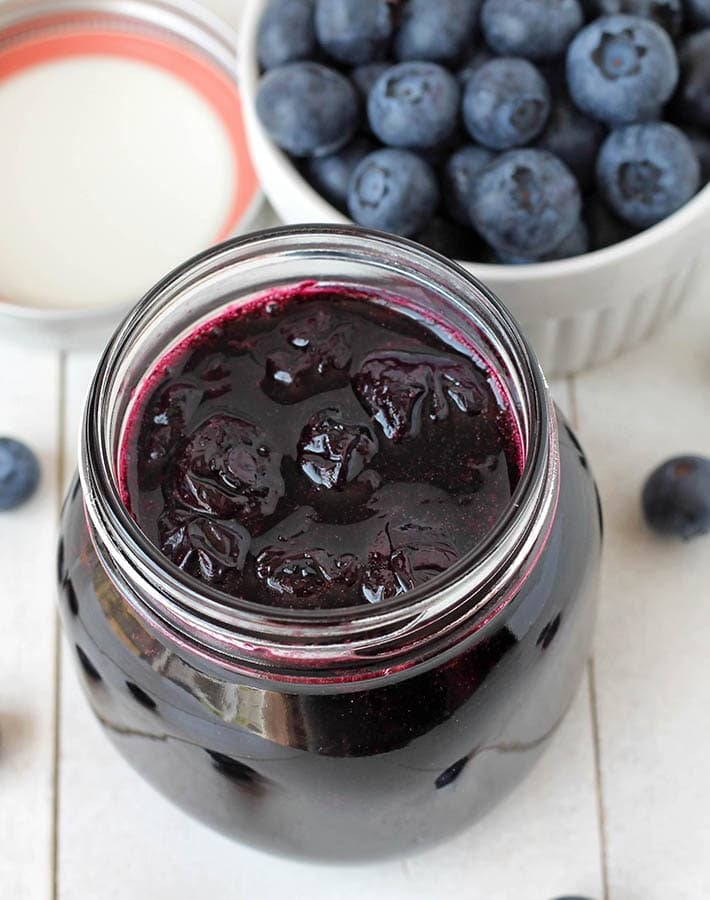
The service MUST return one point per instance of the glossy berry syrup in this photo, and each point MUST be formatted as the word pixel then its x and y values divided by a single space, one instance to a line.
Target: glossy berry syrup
pixel 319 449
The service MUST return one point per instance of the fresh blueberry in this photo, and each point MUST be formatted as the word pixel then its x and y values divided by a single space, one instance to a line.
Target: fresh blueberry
pixel 452 240
pixel 699 12
pixel 575 244
pixel 354 31
pixel 414 105
pixel 331 174
pixel 676 497
pixel 473 61
pixel 525 203
pixel 286 33
pixel 534 29
pixel 666 13
pixel 19 473
pixel 605 229
pixel 308 109
pixel 692 102
pixel 436 31
pixel 457 177
pixel 622 69
pixel 646 172
pixel 700 142
pixel 393 190
pixel 506 103
pixel 364 77
pixel 574 138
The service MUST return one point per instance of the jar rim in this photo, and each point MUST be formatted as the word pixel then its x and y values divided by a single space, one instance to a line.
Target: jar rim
pixel 354 635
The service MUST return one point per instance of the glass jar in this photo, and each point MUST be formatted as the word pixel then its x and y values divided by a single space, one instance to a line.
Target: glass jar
pixel 332 734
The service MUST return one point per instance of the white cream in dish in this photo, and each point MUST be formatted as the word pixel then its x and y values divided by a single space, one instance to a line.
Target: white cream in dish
pixel 112 171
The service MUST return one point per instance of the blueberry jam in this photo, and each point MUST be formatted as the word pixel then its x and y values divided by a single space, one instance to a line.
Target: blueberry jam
pixel 319 449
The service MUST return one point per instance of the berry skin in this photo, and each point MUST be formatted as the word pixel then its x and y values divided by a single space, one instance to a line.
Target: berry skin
pixel 393 190
pixel 692 101
pixel 646 172
pixel 473 61
pixel 460 171
pixel 534 29
pixel 506 103
pixel 414 105
pixel 525 203
pixel 331 174
pixel 622 69
pixel 354 31
pixel 574 138
pixel 438 32
pixel 19 473
pixel 666 13
pixel 676 497
pixel 575 244
pixel 308 109
pixel 699 13
pixel 286 33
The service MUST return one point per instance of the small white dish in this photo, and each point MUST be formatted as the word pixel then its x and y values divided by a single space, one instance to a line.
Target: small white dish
pixel 577 312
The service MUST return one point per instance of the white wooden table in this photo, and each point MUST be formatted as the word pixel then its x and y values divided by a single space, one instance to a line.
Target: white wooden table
pixel 617 808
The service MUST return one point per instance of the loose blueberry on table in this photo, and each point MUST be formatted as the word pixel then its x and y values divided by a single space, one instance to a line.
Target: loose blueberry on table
pixel 452 85
pixel 19 473
pixel 319 450
pixel 676 497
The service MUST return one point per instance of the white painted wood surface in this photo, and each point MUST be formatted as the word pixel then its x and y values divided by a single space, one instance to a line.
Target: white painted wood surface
pixel 617 808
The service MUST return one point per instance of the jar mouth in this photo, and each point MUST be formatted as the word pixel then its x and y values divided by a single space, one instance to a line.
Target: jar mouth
pixel 296 637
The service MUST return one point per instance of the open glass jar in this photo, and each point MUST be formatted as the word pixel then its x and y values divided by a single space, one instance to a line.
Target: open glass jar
pixel 346 733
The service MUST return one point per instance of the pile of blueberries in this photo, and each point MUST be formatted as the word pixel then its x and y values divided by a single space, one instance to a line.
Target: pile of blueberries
pixel 505 131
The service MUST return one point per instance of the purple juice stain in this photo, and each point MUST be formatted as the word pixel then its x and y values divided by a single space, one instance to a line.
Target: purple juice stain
pixel 317 449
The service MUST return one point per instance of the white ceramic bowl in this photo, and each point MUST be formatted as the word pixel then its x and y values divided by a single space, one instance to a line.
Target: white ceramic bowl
pixel 576 312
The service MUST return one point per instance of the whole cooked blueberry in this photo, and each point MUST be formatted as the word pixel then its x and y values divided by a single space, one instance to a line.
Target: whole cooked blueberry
pixel 205 547
pixel 402 391
pixel 506 103
pixel 473 61
pixel 452 240
pixel 364 77
pixel 308 109
pixel 331 174
pixel 574 138
pixel 227 469
pixel 622 69
pixel 354 31
pixel 414 105
pixel 535 29
pixel 605 229
pixel 700 142
pixel 575 244
pixel 666 13
pixel 457 177
pixel 286 33
pixel 393 190
pixel 333 452
pixel 699 13
pixel 525 202
pixel 692 101
pixel 676 497
pixel 437 31
pixel 19 473
pixel 646 172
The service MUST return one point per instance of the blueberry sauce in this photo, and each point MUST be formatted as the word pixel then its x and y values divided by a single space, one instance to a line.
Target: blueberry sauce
pixel 317 450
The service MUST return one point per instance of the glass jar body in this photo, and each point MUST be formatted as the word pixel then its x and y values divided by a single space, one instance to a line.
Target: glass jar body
pixel 343 771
